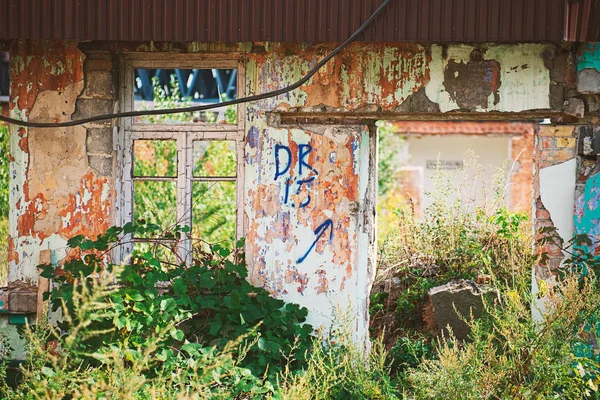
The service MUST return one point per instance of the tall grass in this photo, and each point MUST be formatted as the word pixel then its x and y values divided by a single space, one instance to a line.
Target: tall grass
pixel 465 233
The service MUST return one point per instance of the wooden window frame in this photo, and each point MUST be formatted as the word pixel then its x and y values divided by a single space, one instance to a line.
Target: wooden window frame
pixel 185 134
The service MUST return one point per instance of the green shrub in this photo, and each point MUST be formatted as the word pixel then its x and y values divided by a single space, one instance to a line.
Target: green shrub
pixel 408 353
pixel 120 369
pixel 209 303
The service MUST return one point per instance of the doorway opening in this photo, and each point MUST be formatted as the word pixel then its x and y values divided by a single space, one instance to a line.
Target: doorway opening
pixel 455 204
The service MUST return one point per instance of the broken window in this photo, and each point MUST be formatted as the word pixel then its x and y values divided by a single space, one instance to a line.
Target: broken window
pixel 184 171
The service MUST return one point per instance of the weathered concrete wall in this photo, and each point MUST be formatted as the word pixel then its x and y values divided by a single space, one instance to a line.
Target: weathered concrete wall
pixel 410 77
pixel 58 188
pixel 309 191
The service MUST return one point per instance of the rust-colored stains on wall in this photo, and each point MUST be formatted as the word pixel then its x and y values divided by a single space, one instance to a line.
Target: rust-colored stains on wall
pixel 303 194
pixel 40 66
pixel 381 75
pixel 54 193
pixel 471 84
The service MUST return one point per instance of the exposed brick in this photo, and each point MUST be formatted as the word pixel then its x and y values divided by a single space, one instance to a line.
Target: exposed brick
pixel 557 130
pixel 546 142
pixel 563 155
pixel 566 142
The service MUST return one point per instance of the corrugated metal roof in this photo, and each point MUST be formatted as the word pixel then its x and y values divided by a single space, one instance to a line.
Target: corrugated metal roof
pixel 283 20
pixel 583 21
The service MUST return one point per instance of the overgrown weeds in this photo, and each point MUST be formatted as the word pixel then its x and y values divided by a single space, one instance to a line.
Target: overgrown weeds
pixel 456 238
pixel 59 367
pixel 511 356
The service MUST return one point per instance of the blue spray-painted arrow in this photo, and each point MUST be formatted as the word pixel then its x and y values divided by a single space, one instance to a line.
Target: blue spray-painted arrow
pixel 320 231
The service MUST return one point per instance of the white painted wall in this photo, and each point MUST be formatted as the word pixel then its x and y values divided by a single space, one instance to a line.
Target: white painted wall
pixel 490 152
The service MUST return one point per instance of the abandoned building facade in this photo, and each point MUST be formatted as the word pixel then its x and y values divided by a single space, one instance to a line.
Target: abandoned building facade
pixel 306 161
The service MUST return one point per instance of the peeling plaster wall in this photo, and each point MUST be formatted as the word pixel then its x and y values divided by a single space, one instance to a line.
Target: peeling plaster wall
pixel 507 78
pixel 317 254
pixel 588 68
pixel 54 193
pixel 309 192
pixel 497 78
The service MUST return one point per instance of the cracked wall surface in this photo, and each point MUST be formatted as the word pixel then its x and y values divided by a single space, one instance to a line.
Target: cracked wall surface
pixel 309 192
pixel 55 193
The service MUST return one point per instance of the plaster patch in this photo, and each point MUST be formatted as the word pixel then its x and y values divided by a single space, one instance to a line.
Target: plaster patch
pixel 557 192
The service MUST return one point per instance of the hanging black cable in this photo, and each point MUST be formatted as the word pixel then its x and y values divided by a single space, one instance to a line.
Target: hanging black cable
pixel 247 99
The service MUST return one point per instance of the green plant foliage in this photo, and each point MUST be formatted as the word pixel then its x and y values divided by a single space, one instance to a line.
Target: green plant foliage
pixel 119 369
pixel 424 253
pixel 4 167
pixel 209 303
pixel 511 356
pixel 389 144
pixel 409 353
pixel 214 203
pixel 338 370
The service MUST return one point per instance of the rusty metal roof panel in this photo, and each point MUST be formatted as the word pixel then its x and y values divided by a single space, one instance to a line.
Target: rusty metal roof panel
pixel 284 20
pixel 583 21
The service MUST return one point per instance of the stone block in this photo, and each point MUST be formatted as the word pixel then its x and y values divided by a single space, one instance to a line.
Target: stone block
pixel 455 302
pixel 24 302
pixel 91 107
pixel 98 84
pixel 592 103
pixel 99 141
pixel 102 164
pixel 557 97
pixel 575 107
pixel 588 81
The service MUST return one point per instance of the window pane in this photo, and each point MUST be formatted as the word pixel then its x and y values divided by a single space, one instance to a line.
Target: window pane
pixel 214 158
pixel 175 88
pixel 214 212
pixel 155 158
pixel 155 203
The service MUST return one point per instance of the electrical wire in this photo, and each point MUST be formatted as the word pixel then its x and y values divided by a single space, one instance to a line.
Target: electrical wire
pixel 247 99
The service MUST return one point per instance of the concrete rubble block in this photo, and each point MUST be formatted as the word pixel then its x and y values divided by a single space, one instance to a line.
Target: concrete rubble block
pixel 455 302
pixel 588 143
pixel 91 107
pixel 575 107
pixel 98 84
